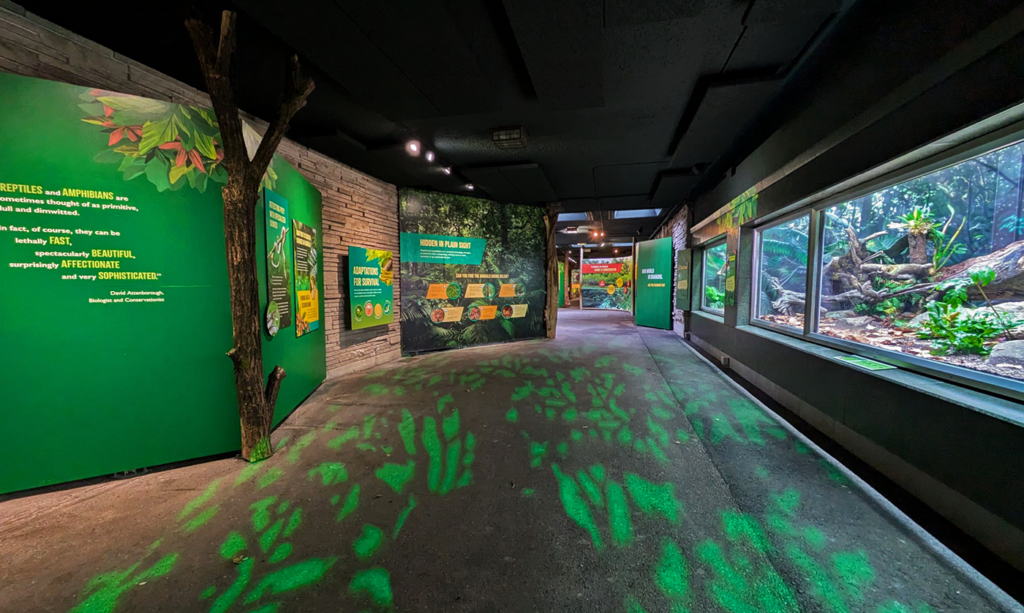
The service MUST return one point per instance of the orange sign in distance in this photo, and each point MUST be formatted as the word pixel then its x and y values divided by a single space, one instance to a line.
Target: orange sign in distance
pixel 437 291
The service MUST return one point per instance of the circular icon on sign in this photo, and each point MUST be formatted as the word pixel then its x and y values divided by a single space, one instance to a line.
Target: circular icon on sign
pixel 600 283
pixel 378 310
pixel 358 312
pixel 506 311
pixel 368 309
pixel 454 290
pixel 488 290
pixel 387 307
pixel 619 281
pixel 273 319
pixel 520 289
pixel 611 289
pixel 436 316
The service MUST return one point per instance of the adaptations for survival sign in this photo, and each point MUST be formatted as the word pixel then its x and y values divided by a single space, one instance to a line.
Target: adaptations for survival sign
pixel 371 291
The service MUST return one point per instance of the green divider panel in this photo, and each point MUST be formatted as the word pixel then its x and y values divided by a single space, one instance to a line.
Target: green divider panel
pixel 654 283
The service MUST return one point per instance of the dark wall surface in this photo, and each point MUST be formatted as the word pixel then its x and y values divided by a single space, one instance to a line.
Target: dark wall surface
pixel 894 78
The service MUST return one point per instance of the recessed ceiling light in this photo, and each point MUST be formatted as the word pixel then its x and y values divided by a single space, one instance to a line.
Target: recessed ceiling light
pixel 413 147
pixel 469 186
pixel 446 170
pixel 429 156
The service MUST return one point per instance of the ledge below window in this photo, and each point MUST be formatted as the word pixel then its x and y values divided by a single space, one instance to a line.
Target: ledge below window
pixel 975 400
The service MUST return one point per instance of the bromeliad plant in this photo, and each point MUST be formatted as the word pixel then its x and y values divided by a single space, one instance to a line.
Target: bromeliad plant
pixel 171 144
pixel 954 330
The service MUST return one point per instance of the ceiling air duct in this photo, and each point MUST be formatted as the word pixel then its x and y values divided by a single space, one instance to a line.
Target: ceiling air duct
pixel 509 138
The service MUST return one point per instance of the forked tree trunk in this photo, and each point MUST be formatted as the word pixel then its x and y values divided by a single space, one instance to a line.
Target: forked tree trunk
pixel 255 401
pixel 551 279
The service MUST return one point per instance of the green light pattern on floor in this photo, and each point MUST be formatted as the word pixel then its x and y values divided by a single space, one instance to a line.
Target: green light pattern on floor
pixel 582 412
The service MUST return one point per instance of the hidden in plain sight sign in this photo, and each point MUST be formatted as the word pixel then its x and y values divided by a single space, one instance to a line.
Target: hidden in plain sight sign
pixel 371 290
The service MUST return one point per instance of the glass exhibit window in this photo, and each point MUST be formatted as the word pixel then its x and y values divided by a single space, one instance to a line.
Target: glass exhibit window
pixel 932 267
pixel 783 273
pixel 713 278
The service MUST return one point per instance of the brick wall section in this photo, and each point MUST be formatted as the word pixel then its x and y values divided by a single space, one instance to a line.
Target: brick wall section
pixel 358 209
pixel 678 227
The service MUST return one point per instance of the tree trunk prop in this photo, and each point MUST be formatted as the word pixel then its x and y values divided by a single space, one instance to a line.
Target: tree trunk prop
pixel 255 400
pixel 850 276
pixel 551 307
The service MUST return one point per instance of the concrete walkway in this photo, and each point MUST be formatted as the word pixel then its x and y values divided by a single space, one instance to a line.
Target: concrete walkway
pixel 609 470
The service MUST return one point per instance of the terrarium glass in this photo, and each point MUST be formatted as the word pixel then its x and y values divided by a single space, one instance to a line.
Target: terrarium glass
pixel 933 267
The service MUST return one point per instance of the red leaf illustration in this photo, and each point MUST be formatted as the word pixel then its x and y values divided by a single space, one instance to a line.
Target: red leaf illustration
pixel 171 146
pixel 182 156
pixel 116 136
pixel 197 161
pixel 107 111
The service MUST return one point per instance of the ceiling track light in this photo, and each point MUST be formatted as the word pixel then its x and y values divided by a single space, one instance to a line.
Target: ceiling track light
pixel 446 170
pixel 469 186
pixel 413 147
pixel 429 156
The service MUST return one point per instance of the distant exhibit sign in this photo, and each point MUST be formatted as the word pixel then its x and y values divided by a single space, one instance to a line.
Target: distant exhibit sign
pixel 371 290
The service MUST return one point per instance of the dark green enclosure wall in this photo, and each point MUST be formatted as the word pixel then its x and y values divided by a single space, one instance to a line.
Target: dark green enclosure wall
pixel 115 316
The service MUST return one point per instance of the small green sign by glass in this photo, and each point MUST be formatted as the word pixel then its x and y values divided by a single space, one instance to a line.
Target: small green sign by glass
pixel 371 292
pixel 864 363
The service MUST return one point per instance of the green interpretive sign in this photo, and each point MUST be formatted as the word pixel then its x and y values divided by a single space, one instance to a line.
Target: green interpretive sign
pixel 654 283
pixel 683 262
pixel 441 249
pixel 279 290
pixel 371 290
pixel 307 270
pixel 730 279
pixel 864 363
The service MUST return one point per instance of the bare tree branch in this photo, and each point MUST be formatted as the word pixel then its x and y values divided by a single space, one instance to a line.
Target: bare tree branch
pixel 298 88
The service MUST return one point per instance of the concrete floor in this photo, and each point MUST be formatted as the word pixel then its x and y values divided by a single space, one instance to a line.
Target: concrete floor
pixel 611 469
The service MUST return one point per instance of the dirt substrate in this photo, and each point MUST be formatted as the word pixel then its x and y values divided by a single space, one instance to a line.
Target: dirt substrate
pixel 878 332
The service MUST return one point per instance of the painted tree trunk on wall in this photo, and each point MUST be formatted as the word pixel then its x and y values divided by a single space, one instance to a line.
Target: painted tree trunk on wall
pixel 551 266
pixel 255 401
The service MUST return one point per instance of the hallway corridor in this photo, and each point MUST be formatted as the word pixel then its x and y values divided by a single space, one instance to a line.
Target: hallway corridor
pixel 611 469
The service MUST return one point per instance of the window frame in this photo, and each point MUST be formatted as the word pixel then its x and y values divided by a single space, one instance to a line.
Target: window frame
pixel 913 166
pixel 709 245
pixel 755 296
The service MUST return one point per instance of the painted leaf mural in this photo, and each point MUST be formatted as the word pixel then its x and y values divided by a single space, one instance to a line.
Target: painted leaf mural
pixel 172 145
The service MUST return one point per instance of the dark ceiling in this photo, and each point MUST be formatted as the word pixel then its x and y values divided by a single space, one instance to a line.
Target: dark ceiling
pixel 625 102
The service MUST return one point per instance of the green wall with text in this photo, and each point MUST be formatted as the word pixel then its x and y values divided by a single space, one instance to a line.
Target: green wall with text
pixel 116 313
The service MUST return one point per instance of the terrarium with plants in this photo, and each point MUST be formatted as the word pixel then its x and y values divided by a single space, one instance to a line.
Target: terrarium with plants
pixel 932 267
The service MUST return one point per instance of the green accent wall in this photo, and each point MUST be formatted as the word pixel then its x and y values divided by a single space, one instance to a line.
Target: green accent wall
pixel 654 282
pixel 116 312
